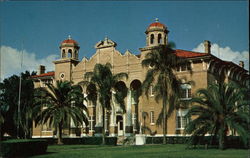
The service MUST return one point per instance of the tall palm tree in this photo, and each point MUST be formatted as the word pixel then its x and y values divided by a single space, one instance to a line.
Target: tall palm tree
pixel 105 82
pixel 160 74
pixel 58 104
pixel 219 109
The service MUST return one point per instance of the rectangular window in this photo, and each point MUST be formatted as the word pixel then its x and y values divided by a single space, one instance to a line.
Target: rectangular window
pixel 186 91
pixel 152 91
pixel 152 117
pixel 91 123
pixel 181 119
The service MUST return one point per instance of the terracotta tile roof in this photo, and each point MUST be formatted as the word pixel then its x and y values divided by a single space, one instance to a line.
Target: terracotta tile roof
pixel 69 41
pixel 52 73
pixel 188 54
pixel 157 24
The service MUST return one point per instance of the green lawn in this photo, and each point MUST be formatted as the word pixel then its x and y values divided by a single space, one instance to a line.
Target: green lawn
pixel 148 151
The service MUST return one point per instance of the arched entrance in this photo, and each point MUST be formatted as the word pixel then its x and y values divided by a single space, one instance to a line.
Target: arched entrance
pixel 135 88
pixel 119 93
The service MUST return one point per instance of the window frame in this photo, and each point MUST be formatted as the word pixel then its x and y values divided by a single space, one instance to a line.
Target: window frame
pixel 181 119
pixel 152 117
pixel 187 89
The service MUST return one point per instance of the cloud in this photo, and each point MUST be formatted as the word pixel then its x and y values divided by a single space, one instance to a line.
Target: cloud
pixel 226 54
pixel 11 61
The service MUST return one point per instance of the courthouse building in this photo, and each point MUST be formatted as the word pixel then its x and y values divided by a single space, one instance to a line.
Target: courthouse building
pixel 205 69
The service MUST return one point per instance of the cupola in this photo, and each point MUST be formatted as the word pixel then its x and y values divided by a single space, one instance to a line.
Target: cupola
pixel 156 34
pixel 69 49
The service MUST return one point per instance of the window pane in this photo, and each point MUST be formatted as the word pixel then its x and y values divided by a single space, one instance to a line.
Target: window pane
pixel 189 93
pixel 183 93
pixel 178 122
pixel 184 122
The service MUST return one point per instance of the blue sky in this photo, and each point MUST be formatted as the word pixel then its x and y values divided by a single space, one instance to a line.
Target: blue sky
pixel 43 25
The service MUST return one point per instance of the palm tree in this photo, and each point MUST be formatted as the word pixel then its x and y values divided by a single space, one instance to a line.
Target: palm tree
pixel 161 63
pixel 144 116
pixel 58 104
pixel 218 110
pixel 105 82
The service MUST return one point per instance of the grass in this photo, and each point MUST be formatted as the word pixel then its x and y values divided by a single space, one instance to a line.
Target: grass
pixel 148 151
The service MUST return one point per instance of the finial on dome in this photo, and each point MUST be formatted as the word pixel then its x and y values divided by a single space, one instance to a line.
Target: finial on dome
pixel 156 20
pixel 106 38
pixel 69 37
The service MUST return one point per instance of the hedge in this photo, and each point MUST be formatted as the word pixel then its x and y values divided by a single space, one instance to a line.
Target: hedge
pixel 83 140
pixel 232 141
pixel 23 147
pixel 170 140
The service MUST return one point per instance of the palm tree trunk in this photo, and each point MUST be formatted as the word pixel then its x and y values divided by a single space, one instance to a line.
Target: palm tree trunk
pixel 164 119
pixel 222 139
pixel 103 128
pixel 144 125
pixel 59 139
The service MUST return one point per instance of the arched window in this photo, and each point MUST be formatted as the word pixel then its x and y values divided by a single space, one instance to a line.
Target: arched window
pixel 76 55
pixel 185 91
pixel 159 39
pixel 70 53
pixel 152 39
pixel 63 53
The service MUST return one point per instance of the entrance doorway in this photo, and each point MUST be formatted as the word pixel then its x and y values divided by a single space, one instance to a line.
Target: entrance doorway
pixel 119 120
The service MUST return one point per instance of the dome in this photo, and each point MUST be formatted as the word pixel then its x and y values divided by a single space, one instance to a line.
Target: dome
pixel 69 42
pixel 156 26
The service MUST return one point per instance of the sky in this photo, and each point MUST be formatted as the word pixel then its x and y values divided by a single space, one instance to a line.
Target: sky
pixel 33 30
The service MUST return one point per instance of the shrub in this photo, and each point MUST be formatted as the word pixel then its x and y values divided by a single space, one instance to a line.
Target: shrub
pixel 232 141
pixel 23 147
pixel 170 140
pixel 83 140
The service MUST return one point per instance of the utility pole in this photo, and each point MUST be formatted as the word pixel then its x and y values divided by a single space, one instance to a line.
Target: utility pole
pixel 19 95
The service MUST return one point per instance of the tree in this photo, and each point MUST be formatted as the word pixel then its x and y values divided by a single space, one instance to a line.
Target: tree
pixel 3 109
pixel 105 82
pixel 144 116
pixel 160 75
pixel 58 104
pixel 219 109
pixel 9 99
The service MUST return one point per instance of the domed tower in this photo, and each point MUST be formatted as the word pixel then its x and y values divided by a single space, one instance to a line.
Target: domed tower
pixel 64 66
pixel 69 49
pixel 156 34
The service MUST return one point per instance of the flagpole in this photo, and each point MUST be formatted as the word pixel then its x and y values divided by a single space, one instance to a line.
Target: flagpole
pixel 19 96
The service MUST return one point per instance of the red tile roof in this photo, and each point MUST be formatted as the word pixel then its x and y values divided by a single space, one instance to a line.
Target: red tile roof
pixel 157 24
pixel 52 73
pixel 188 54
pixel 69 41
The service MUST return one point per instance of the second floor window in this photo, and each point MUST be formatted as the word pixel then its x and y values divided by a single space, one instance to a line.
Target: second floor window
pixel 184 67
pixel 186 91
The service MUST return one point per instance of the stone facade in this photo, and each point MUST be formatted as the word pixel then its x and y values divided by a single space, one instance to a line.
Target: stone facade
pixel 205 69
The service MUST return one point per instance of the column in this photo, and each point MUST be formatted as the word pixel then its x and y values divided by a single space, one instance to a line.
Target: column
pixel 128 123
pixel 134 102
pixel 113 126
pixel 99 123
